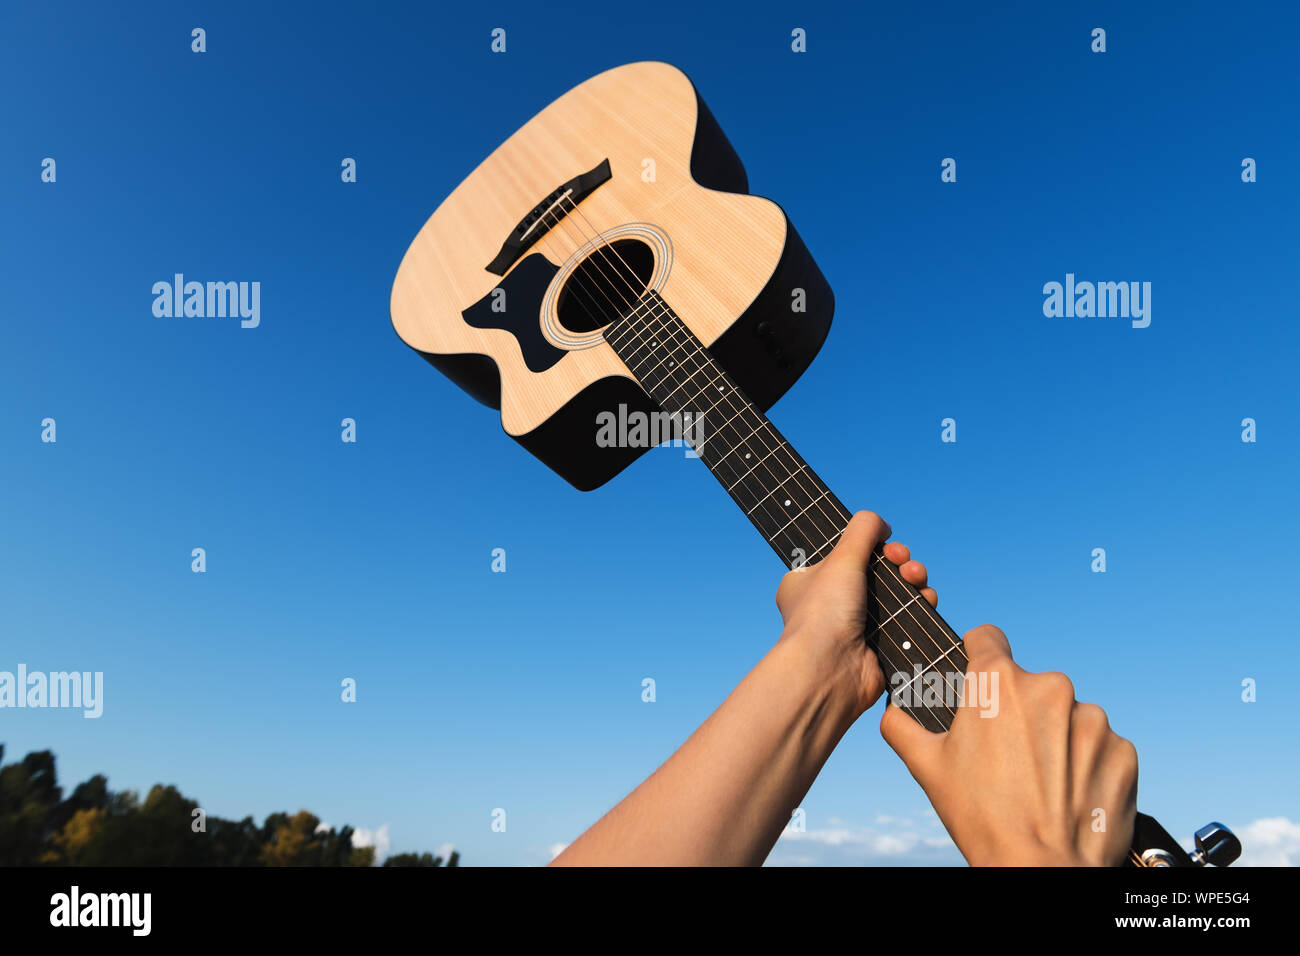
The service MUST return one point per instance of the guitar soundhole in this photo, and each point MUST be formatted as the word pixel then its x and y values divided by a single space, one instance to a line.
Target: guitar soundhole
pixel 605 285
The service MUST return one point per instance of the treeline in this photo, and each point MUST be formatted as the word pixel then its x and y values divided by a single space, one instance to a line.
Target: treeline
pixel 95 826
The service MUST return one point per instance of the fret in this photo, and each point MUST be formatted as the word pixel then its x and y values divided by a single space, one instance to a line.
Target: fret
pixel 696 382
pixel 762 459
pixel 901 608
pixel 661 379
pixel 690 380
pixel 786 501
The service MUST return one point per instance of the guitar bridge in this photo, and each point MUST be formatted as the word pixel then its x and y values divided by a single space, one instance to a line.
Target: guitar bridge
pixel 535 225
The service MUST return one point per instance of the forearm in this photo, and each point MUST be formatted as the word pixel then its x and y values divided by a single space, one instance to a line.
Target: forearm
pixel 725 795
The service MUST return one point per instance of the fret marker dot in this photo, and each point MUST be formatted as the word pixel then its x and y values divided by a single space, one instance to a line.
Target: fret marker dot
pixel 787 502
pixel 746 456
pixel 907 645
pixel 671 362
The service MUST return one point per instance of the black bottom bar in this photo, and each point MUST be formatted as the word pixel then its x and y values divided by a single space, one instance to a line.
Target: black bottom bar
pixel 918 907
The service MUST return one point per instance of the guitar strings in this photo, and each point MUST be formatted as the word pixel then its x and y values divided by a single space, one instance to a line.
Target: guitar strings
pixel 598 250
pixel 595 317
pixel 880 625
pixel 573 279
pixel 765 425
pixel 940 652
pixel 574 275
pixel 601 251
pixel 952 640
pixel 598 253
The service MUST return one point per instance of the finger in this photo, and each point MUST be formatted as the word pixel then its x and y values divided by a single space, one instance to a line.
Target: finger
pixel 986 641
pixel 865 530
pixel 914 573
pixel 918 747
pixel 897 552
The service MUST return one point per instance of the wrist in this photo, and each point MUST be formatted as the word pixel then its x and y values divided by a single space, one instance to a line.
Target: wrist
pixel 824 676
pixel 1030 852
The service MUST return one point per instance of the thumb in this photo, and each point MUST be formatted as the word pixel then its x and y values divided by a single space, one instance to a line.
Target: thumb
pixel 865 530
pixel 918 747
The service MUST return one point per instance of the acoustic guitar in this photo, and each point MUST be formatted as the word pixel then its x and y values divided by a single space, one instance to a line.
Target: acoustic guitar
pixel 607 260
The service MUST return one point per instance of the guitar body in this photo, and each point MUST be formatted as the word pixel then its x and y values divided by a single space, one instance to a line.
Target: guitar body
pixel 675 205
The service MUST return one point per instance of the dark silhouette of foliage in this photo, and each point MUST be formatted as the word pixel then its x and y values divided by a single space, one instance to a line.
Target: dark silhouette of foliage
pixel 95 826
pixel 421 859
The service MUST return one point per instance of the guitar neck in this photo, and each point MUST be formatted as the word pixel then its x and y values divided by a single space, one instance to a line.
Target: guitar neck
pixel 922 657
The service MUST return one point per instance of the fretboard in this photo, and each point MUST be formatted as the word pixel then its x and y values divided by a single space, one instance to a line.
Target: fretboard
pixel 921 656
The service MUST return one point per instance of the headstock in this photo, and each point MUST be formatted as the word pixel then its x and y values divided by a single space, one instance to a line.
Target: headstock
pixel 1216 845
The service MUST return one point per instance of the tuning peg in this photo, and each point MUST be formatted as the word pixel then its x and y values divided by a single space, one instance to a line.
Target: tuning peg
pixel 1216 845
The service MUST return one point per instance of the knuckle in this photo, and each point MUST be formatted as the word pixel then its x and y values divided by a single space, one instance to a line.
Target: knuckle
pixel 985 630
pixel 1126 753
pixel 991 644
pixel 1092 717
pixel 996 660
pixel 869 519
pixel 1056 685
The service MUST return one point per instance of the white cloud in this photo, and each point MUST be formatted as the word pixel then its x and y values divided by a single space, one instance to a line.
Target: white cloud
pixel 885 820
pixel 1272 841
pixel 895 841
pixel 555 849
pixel 892 841
pixel 378 839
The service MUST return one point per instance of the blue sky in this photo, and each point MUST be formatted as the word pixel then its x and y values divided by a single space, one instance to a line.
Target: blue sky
pixel 523 690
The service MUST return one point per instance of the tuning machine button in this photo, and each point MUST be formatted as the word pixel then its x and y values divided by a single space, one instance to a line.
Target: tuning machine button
pixel 1216 845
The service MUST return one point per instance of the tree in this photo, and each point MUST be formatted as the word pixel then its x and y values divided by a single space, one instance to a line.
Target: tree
pixel 29 798
pixel 96 826
pixel 421 859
